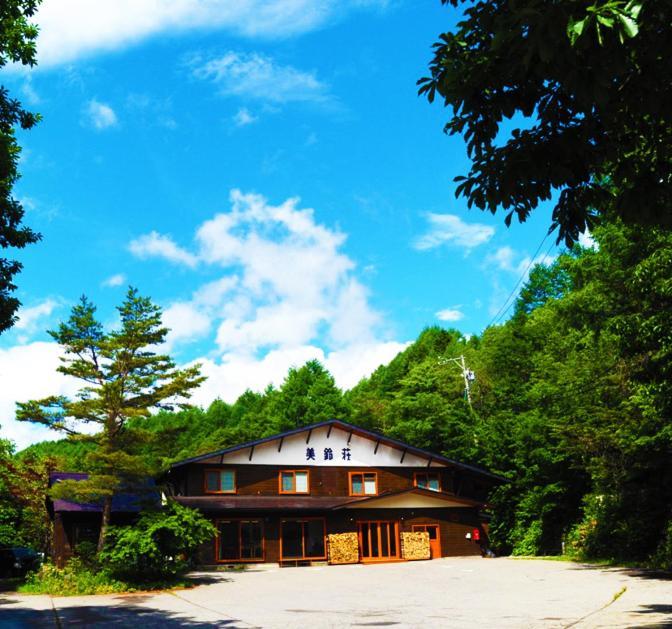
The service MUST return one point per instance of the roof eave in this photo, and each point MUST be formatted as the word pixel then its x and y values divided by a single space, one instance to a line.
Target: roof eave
pixel 346 426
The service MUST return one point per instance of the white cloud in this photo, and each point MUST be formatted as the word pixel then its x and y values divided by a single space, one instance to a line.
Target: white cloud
pixel 155 245
pixel 350 365
pixel 506 259
pixel 586 240
pixel 114 280
pixel 29 92
pixel 503 258
pixel 100 115
pixel 450 314
pixel 285 282
pixel 186 323
pixel 73 29
pixel 243 117
pixel 515 264
pixel 235 373
pixel 29 372
pixel 259 77
pixel 284 292
pixel 30 319
pixel 451 229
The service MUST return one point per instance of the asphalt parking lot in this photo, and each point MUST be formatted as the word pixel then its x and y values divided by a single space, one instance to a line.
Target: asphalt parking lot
pixel 452 592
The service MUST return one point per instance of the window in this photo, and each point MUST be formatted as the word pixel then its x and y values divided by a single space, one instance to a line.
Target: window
pixel 302 539
pixel 240 540
pixel 294 482
pixel 85 533
pixel 428 481
pixel 220 481
pixel 363 484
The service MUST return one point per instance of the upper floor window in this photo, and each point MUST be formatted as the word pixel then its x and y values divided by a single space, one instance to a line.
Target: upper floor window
pixel 220 481
pixel 428 481
pixel 363 483
pixel 294 482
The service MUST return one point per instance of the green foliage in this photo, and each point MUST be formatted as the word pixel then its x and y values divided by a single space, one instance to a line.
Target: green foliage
pixel 662 558
pixel 617 16
pixel 17 45
pixel 123 380
pixel 65 454
pixel 75 579
pixel 160 544
pixel 23 482
pixel 308 395
pixel 588 83
pixel 150 554
pixel 9 507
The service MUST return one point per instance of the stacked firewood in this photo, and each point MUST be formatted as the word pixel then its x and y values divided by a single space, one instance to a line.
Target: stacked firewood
pixel 415 545
pixel 343 548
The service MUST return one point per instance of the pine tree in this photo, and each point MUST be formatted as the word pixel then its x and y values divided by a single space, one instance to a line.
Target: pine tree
pixel 124 379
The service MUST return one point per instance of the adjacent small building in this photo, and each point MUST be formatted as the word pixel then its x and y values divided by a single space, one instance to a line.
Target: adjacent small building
pixel 75 523
pixel 333 491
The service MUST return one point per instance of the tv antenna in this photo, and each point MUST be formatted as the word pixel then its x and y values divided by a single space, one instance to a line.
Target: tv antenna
pixel 467 374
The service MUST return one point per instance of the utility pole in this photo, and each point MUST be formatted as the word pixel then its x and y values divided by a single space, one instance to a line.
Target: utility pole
pixel 468 375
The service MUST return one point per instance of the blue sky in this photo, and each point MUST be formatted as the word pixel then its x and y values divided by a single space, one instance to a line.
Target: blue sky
pixel 265 172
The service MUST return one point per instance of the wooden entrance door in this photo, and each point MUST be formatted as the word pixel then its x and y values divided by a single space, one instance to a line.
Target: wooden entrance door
pixel 379 540
pixel 434 537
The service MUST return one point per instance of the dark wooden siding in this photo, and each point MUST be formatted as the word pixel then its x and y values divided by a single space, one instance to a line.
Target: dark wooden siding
pixel 324 481
pixel 67 529
pixel 454 524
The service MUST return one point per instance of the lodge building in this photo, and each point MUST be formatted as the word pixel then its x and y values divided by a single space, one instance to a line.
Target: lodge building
pixel 294 497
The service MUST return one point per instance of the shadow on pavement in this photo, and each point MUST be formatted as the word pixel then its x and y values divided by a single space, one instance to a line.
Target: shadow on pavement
pixel 9 585
pixel 20 618
pixel 657 608
pixel 641 573
pixel 108 616
pixel 133 616
pixel 208 579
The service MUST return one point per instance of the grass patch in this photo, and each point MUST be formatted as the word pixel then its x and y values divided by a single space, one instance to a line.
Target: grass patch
pixel 602 562
pixel 544 557
pixel 240 567
pixel 77 579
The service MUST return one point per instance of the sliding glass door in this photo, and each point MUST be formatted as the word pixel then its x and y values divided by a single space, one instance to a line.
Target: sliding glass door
pixel 240 540
pixel 302 539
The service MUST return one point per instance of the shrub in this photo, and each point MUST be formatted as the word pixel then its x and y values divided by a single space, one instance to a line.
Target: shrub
pixel 87 552
pixel 74 579
pixel 528 539
pixel 161 544
pixel 662 558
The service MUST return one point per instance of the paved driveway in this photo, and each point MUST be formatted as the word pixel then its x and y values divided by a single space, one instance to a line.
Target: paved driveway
pixel 469 592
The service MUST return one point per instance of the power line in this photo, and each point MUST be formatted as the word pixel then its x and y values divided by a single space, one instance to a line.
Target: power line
pixel 548 251
pixel 500 313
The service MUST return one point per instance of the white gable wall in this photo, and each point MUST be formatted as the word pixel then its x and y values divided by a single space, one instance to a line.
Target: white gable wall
pixel 295 451
pixel 406 501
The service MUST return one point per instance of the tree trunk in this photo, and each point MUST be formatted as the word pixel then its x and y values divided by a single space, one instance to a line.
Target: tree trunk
pixel 105 522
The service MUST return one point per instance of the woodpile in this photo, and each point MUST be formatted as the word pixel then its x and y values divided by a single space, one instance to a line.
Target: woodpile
pixel 343 548
pixel 415 545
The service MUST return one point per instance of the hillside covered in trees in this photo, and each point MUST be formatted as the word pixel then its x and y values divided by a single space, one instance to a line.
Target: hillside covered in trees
pixel 571 402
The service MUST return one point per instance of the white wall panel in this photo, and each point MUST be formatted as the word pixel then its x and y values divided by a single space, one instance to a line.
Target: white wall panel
pixel 321 450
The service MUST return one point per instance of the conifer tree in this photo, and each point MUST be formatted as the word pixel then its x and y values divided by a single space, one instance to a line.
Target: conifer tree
pixel 124 378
